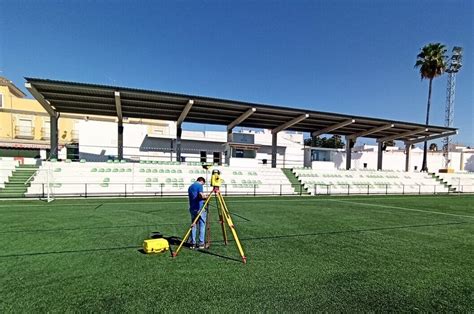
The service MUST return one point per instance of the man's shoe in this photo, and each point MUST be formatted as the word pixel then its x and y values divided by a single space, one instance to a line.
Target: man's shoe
pixel 192 246
pixel 201 246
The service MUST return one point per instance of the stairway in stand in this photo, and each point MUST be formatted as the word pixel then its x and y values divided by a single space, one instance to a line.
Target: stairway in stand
pixel 295 182
pixel 15 187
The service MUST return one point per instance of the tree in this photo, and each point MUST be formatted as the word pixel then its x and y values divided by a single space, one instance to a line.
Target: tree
pixel 431 62
pixel 433 147
pixel 387 144
pixel 334 141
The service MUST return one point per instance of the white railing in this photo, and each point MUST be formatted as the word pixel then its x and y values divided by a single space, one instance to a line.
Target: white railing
pixel 92 189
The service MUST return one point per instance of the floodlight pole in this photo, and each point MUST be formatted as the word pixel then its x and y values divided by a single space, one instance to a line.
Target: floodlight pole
pixel 454 66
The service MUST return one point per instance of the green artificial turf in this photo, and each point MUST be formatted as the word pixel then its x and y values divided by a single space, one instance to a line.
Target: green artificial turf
pixel 394 253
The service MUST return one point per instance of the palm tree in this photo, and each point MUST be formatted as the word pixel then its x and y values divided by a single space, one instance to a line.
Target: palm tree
pixel 432 62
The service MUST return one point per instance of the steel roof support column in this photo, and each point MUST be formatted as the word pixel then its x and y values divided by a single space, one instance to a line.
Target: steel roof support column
pixel 118 107
pixel 120 140
pixel 281 128
pixel 348 152
pixel 53 121
pixel 179 129
pixel 379 155
pixel 274 149
pixel 407 156
pixel 179 132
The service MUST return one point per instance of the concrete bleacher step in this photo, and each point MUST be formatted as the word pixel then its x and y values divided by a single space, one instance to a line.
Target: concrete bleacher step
pixel 298 187
pixel 15 186
pixel 443 182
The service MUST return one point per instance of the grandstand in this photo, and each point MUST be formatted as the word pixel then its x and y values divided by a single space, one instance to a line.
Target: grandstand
pixel 150 178
pixel 254 163
pixel 368 182
pixel 161 178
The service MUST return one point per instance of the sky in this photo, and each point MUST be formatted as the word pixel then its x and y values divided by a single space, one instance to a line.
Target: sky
pixel 345 56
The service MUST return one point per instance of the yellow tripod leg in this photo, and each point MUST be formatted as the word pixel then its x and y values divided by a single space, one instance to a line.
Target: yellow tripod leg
pixel 230 223
pixel 186 236
pixel 221 219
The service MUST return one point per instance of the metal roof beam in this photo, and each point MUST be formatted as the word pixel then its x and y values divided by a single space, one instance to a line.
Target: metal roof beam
pixel 333 127
pixel 118 105
pixel 37 95
pixel 371 131
pixel 430 138
pixel 240 119
pixel 185 112
pixel 402 135
pixel 290 123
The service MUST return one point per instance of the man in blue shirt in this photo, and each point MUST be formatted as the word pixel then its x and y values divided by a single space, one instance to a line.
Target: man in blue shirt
pixel 196 201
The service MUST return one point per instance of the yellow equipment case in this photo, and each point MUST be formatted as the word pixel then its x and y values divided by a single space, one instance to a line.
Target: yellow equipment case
pixel 155 245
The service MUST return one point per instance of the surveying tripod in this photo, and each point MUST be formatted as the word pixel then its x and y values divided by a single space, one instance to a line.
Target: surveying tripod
pixel 224 218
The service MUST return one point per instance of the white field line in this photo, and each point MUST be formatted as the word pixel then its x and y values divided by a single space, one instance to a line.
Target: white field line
pixel 228 199
pixel 402 208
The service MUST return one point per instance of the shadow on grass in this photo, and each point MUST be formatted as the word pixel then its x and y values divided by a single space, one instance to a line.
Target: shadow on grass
pixel 107 227
pixel 176 241
pixel 348 231
pixel 72 251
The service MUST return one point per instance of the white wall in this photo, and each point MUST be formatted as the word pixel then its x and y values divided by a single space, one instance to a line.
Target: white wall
pixel 99 139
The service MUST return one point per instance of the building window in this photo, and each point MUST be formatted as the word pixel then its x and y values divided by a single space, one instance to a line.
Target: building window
pixel 217 158
pixel 203 156
pixel 243 153
pixel 1 100
pixel 46 129
pixel 320 155
pixel 24 128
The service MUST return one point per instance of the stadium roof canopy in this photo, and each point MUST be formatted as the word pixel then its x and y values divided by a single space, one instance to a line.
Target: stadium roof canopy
pixel 90 99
